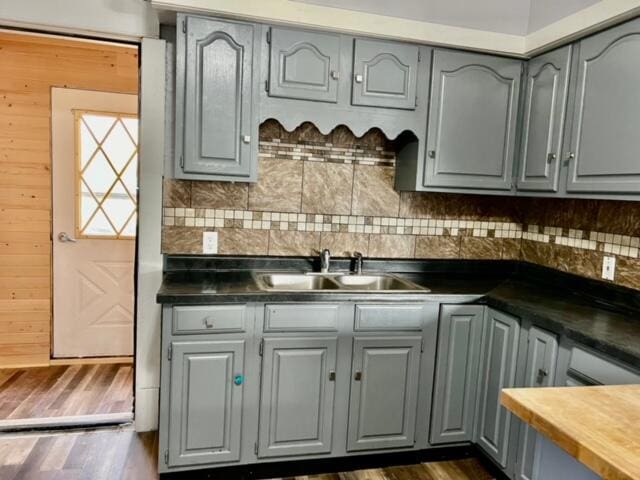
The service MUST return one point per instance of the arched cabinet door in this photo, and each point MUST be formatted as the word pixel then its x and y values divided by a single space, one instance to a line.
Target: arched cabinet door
pixel 473 113
pixel 384 74
pixel 304 65
pixel 545 106
pixel 605 139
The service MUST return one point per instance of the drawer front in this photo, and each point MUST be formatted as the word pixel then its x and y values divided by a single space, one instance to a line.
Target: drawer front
pixel 306 317
pixel 590 368
pixel 388 317
pixel 209 319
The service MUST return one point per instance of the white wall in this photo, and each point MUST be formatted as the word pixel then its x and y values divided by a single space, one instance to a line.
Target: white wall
pixel 546 12
pixel 125 19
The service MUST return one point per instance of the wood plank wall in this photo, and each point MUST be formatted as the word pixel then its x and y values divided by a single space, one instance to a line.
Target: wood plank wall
pixel 29 66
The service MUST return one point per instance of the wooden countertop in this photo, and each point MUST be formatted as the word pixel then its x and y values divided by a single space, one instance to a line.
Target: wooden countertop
pixel 599 426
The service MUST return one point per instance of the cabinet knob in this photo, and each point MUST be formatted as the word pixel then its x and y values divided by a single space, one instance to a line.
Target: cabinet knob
pixel 208 322
pixel 541 375
pixel 359 78
pixel 431 153
pixel 332 375
pixel 551 157
pixel 358 376
pixel 246 139
pixel 335 74
pixel 238 380
pixel 570 156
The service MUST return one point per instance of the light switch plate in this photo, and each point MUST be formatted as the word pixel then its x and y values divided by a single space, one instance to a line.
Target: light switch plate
pixel 609 268
pixel 209 242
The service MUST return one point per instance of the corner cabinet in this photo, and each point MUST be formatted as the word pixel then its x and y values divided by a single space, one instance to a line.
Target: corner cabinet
pixel 473 112
pixel 216 99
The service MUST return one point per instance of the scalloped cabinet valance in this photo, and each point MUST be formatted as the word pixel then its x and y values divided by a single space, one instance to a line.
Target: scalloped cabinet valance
pixel 461 121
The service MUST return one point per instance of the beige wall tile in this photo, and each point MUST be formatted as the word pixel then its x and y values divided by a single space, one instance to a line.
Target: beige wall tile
pixel 480 248
pixel 511 249
pixel 345 244
pixel 227 195
pixel 292 243
pixel 628 272
pixel 176 193
pixel 182 240
pixel 373 192
pixel 237 241
pixel 391 246
pixel 279 186
pixel 327 188
pixel 437 247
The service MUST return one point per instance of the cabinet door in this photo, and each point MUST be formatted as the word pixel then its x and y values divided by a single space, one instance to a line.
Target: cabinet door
pixel 205 402
pixel 605 138
pixel 216 73
pixel 384 74
pixel 456 383
pixel 297 399
pixel 545 104
pixel 542 353
pixel 384 392
pixel 472 121
pixel 498 371
pixel 304 65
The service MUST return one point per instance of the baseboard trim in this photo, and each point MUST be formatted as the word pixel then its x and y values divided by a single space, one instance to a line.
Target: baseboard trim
pixel 73 421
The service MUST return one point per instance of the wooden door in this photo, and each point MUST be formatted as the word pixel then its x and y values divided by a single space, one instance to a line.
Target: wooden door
pixel 297 398
pixel 384 392
pixel 215 72
pixel 456 382
pixel 545 104
pixel 304 65
pixel 498 371
pixel 205 402
pixel 384 74
pixel 605 141
pixel 94 154
pixel 473 112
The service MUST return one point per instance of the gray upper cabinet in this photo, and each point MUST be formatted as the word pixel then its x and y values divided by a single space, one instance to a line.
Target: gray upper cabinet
pixel 384 392
pixel 545 103
pixel 304 65
pixel 499 359
pixel 473 114
pixel 205 402
pixel 384 74
pixel 216 125
pixel 456 381
pixel 542 354
pixel 605 141
pixel 297 399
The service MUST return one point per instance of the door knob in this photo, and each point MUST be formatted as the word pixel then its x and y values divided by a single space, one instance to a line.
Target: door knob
pixel 65 238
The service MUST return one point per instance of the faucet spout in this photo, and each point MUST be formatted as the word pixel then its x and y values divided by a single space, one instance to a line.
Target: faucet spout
pixel 359 262
pixel 325 260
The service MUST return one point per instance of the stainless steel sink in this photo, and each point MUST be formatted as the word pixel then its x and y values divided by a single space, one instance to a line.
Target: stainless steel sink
pixel 374 282
pixel 295 282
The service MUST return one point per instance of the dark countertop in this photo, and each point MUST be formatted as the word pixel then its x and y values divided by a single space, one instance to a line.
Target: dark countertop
pixel 565 310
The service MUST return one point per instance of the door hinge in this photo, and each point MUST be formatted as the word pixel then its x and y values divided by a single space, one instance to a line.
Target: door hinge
pixel 416 100
pixel 261 347
pixel 419 55
pixel 181 161
pixel 184 26
pixel 169 352
pixel 266 86
pixel 422 346
pixel 255 448
pixel 269 36
pixel 166 457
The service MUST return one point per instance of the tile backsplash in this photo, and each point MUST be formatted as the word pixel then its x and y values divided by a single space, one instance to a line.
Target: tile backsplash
pixel 336 191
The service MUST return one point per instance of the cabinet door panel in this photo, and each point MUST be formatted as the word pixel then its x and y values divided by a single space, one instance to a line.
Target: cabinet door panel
pixel 385 74
pixel 543 122
pixel 542 354
pixel 297 400
pixel 499 356
pixel 384 392
pixel 472 121
pixel 605 137
pixel 205 403
pixel 304 65
pixel 217 84
pixel 456 382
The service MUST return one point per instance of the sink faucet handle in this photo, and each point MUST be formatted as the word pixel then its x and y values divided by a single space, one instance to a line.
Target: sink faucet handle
pixel 359 260
pixel 325 259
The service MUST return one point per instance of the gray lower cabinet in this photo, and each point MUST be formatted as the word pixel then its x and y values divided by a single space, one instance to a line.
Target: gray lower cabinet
pixel 498 370
pixel 473 112
pixel 542 354
pixel 297 396
pixel 216 115
pixel 605 140
pixel 385 74
pixel 384 392
pixel 205 402
pixel 545 104
pixel 457 367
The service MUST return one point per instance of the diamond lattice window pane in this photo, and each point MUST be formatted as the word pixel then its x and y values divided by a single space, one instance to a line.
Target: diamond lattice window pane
pixel 99 225
pixel 88 145
pixel 118 146
pixel 130 229
pixel 118 206
pixel 99 124
pixel 132 127
pixel 130 176
pixel 99 176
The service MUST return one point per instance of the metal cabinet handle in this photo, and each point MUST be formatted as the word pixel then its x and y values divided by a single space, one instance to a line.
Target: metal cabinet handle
pixel 332 375
pixel 359 78
pixel 335 74
pixel 551 157
pixel 208 322
pixel 65 238
pixel 541 375
pixel 431 153
pixel 246 139
pixel 358 376
pixel 570 156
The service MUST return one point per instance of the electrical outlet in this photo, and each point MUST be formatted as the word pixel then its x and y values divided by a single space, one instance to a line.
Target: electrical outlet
pixel 209 242
pixel 609 268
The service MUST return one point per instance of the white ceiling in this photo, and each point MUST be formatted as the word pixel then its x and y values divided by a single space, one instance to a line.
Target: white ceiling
pixel 515 17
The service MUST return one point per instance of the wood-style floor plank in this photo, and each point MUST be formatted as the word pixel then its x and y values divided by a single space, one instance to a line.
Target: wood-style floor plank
pixel 65 390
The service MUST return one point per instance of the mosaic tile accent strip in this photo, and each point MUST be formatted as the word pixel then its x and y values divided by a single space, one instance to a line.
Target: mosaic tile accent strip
pixel 326 152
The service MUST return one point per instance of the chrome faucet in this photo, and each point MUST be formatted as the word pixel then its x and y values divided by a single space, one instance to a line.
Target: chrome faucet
pixel 325 259
pixel 359 262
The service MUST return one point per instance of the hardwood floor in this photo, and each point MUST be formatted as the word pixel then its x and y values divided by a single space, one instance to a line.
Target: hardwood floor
pixel 65 390
pixel 120 453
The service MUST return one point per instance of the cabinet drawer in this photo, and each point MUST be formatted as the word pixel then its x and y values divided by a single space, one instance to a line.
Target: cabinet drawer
pixel 290 317
pixel 209 319
pixel 590 368
pixel 388 317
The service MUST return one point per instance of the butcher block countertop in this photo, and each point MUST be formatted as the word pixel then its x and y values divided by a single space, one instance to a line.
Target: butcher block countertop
pixel 599 426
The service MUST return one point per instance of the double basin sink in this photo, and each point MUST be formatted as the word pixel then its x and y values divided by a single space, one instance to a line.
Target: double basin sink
pixel 296 282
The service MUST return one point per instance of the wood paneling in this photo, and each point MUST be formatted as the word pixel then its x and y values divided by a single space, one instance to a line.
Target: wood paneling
pixel 30 66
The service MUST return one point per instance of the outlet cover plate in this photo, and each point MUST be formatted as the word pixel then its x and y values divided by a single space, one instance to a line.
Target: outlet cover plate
pixel 609 268
pixel 209 243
